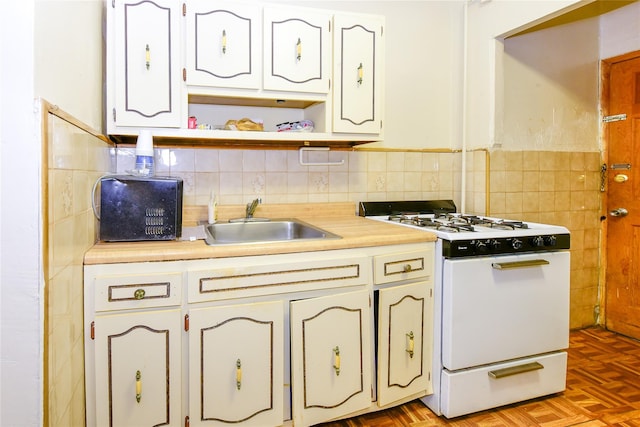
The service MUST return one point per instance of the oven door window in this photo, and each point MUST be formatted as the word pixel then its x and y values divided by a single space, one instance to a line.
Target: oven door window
pixel 504 307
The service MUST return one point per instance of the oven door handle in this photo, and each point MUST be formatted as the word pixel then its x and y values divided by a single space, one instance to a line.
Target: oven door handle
pixel 515 370
pixel 519 264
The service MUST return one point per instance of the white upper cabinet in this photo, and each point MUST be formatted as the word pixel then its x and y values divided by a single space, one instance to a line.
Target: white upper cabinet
pixel 143 75
pixel 357 72
pixel 297 50
pixel 223 44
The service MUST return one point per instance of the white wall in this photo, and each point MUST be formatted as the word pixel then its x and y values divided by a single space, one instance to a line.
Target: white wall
pixel 488 21
pixel 551 89
pixel 68 57
pixel 21 269
pixel 620 31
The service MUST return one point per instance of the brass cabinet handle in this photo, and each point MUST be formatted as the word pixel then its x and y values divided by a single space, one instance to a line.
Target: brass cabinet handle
pixel 360 74
pixel 139 294
pixel 410 344
pixel 238 374
pixel 138 386
pixel 519 264
pixel 336 362
pixel 407 268
pixel 515 370
pixel 224 42
pixel 147 56
pixel 298 49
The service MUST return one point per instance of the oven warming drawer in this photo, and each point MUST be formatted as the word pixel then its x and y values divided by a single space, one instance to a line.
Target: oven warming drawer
pixel 472 390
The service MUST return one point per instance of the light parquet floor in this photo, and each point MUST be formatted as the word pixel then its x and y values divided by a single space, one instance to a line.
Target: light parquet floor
pixel 603 389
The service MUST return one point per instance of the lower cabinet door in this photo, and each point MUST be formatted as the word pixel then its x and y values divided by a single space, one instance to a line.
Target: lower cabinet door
pixel 405 319
pixel 138 369
pixel 236 365
pixel 330 356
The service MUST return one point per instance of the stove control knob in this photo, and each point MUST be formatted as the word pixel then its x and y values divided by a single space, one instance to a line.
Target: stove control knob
pixel 550 240
pixel 516 244
pixel 495 244
pixel 481 247
pixel 537 241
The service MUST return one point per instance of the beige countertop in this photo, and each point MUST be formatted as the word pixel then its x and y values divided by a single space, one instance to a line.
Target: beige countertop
pixel 337 218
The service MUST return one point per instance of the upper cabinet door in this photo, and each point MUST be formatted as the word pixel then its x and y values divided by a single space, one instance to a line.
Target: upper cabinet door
pixel 297 50
pixel 357 92
pixel 223 44
pixel 145 63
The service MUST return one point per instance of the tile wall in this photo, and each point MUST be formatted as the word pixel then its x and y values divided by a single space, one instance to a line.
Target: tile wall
pixel 276 176
pixel 75 160
pixel 557 188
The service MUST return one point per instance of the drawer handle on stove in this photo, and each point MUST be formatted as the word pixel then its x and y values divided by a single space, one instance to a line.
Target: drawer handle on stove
pixel 515 370
pixel 519 264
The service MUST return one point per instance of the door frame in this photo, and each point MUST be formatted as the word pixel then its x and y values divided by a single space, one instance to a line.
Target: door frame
pixel 605 89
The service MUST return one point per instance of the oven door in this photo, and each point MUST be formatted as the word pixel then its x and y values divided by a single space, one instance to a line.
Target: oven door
pixel 504 307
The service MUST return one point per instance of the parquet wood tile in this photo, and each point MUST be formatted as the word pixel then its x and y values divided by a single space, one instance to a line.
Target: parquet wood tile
pixel 603 389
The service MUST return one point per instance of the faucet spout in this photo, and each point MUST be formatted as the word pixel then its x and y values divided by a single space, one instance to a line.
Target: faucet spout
pixel 251 207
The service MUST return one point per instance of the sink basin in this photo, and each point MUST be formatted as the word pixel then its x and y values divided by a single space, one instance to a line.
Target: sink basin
pixel 263 232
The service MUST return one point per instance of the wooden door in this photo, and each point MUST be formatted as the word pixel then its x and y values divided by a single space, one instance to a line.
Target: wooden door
pixel 405 335
pixel 330 356
pixel 622 306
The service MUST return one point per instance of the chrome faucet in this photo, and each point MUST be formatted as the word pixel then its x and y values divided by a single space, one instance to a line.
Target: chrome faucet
pixel 251 207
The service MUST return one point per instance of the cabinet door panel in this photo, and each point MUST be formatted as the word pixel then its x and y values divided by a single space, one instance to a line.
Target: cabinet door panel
pixel 357 74
pixel 147 70
pixel 405 322
pixel 223 44
pixel 330 356
pixel 296 50
pixel 138 369
pixel 235 365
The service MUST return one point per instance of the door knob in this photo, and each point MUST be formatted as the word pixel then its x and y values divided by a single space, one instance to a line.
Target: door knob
pixel 619 212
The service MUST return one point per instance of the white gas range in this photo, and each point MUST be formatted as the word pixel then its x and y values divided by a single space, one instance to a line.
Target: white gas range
pixel 501 308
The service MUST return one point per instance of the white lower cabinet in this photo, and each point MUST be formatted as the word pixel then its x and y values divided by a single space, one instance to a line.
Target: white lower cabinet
pixel 330 356
pixel 295 339
pixel 138 369
pixel 235 365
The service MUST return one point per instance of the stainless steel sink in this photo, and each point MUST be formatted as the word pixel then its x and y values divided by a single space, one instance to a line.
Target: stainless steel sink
pixel 263 232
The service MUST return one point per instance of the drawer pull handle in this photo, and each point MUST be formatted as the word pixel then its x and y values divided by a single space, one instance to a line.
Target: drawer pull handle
pixel 139 294
pixel 138 386
pixel 410 344
pixel 407 268
pixel 519 264
pixel 336 363
pixel 515 370
pixel 238 374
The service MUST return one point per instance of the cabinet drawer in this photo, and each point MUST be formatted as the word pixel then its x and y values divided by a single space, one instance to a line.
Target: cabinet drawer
pixel 402 266
pixel 248 280
pixel 139 291
pixel 509 382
